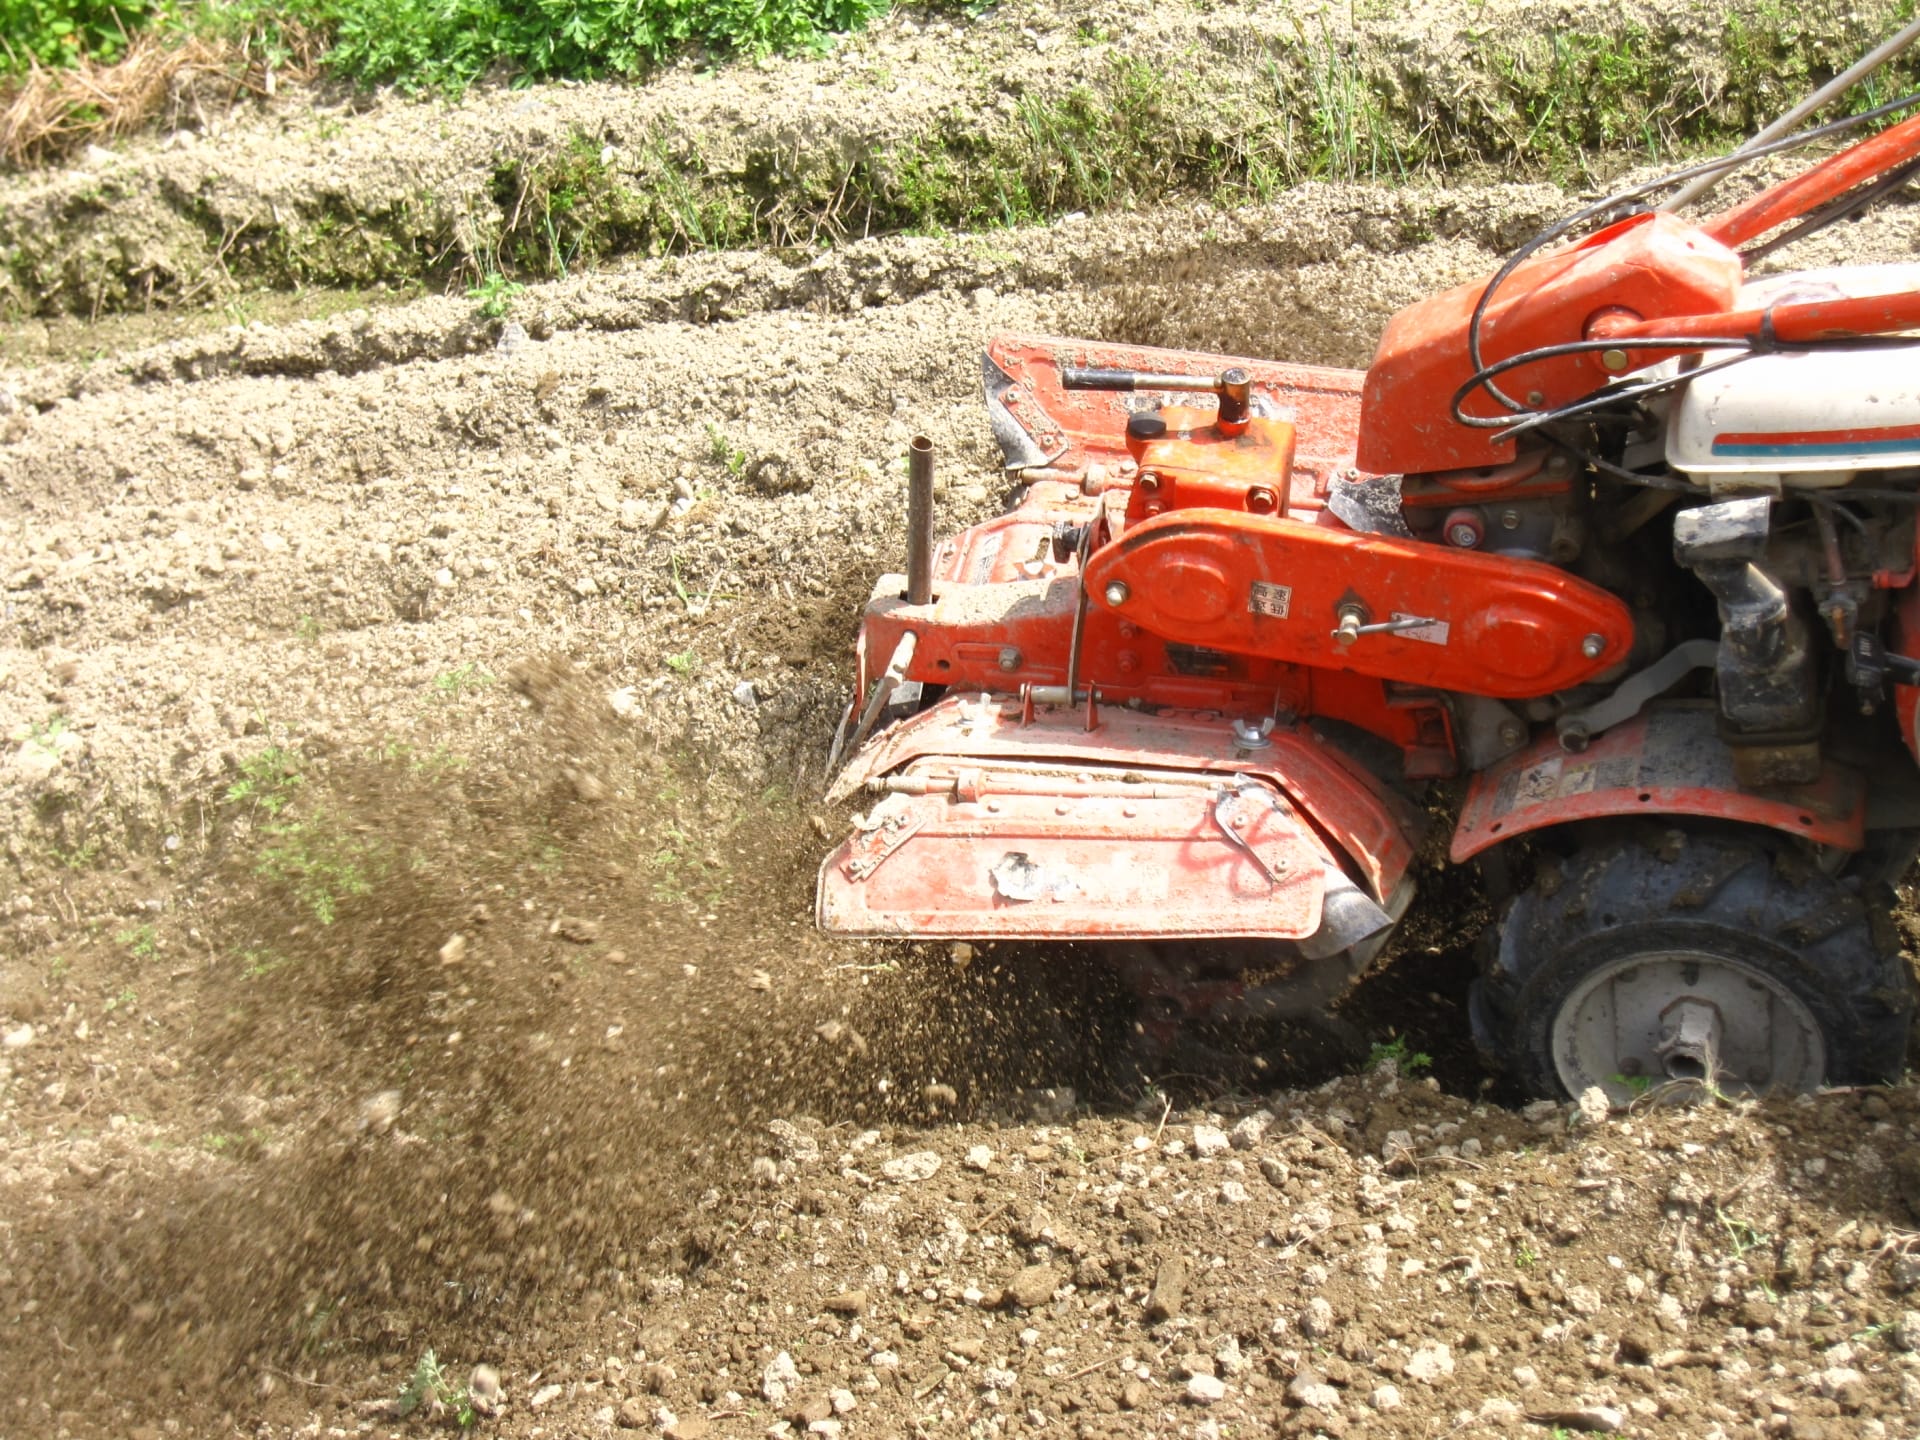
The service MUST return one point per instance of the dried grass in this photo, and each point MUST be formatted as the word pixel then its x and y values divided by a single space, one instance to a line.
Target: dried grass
pixel 46 114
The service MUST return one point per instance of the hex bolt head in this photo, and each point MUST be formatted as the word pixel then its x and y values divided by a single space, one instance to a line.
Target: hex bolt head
pixel 1594 646
pixel 1262 501
pixel 1009 657
pixel 1510 519
pixel 1149 481
pixel 1465 536
pixel 1614 360
pixel 1117 593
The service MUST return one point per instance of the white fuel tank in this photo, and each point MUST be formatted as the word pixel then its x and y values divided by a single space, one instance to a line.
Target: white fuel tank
pixel 1804 419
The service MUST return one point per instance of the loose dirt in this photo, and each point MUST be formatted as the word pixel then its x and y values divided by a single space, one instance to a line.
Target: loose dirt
pixel 416 723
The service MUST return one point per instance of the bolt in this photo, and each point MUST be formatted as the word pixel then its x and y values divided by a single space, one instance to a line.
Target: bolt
pixel 1261 500
pixel 1614 360
pixel 1536 399
pixel 1463 535
pixel 1149 481
pixel 1117 593
pixel 1510 519
pixel 1594 646
pixel 1009 657
pixel 1511 733
pixel 1127 661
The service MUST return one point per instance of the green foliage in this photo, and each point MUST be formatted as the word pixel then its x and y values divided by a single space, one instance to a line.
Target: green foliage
pixel 141 940
pixel 432 1393
pixel 58 32
pixel 495 293
pixel 1396 1051
pixel 268 781
pixel 445 44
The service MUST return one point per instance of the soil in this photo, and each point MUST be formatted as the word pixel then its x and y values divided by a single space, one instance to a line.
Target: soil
pixel 417 719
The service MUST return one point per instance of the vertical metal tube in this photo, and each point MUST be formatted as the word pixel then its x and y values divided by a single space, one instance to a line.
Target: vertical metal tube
pixel 919 520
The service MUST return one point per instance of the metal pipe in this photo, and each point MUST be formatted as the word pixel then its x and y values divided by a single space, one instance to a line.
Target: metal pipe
pixel 919 521
pixel 1861 68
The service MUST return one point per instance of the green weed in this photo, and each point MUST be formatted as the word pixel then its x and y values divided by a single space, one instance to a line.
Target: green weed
pixel 495 293
pixel 432 1393
pixel 1525 1257
pixel 268 781
pixel 1408 1064
pixel 684 663
pixel 471 676
pixel 1742 1235
pixel 140 940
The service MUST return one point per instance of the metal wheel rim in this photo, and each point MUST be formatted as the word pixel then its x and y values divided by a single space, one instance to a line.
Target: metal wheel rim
pixel 1638 1023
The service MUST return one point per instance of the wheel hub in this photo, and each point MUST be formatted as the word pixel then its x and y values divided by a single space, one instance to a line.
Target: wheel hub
pixel 1689 1043
pixel 1687 1016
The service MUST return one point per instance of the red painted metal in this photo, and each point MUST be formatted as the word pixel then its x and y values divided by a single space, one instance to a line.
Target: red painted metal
pixel 1372 829
pixel 1276 588
pixel 1652 265
pixel 1669 761
pixel 1834 176
pixel 1010 854
pixel 1841 319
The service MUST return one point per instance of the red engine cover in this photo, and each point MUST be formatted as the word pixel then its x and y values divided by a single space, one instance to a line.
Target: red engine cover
pixel 1651 265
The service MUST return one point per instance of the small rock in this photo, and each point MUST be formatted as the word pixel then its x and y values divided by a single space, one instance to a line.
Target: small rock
pixel 910 1169
pixel 17 1038
pixel 377 1113
pixel 1906 1331
pixel 577 929
pixel 1583 1300
pixel 513 335
pixel 1206 1389
pixel 543 1397
pixel 1169 1289
pixel 1525 1376
pixel 633 1414
pixel 1430 1364
pixel 585 586
pixel 1033 1287
pixel 778 1379
pixel 1538 1111
pixel 814 1407
pixel 454 951
pixel 1251 1130
pixel 1385 1397
pixel 1134 1395
pixel 1594 1105
pixel 1232 1192
pixel 842 1401
pixel 483 1390
pixel 1309 1390
pixel 978 1158
pixel 848 1302
pixel 1210 1140
pixel 745 695
pixel 1317 1320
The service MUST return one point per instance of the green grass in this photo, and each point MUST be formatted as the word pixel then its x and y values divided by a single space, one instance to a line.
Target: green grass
pixel 438 44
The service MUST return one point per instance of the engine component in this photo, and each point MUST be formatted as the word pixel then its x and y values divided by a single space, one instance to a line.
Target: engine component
pixel 1764 669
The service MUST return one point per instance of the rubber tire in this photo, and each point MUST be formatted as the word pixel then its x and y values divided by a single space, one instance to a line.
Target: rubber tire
pixel 1830 941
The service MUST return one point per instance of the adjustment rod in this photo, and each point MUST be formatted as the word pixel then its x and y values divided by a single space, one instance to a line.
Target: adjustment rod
pixel 1234 386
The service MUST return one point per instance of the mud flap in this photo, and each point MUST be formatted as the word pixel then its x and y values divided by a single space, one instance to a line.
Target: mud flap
pixel 1109 855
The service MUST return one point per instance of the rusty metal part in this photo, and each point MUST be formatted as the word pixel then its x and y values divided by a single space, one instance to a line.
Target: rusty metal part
pixel 1671 760
pixel 919 520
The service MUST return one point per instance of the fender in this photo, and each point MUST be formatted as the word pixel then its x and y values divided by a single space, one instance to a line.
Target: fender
pixel 1669 760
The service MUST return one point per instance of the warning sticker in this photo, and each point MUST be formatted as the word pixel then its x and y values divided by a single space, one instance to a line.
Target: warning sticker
pixel 1270 599
pixel 1433 634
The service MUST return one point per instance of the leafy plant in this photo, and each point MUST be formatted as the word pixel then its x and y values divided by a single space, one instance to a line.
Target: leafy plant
pixel 59 32
pixel 1396 1050
pixel 141 940
pixel 268 781
pixel 471 676
pixel 685 663
pixel 495 293
pixel 430 1392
